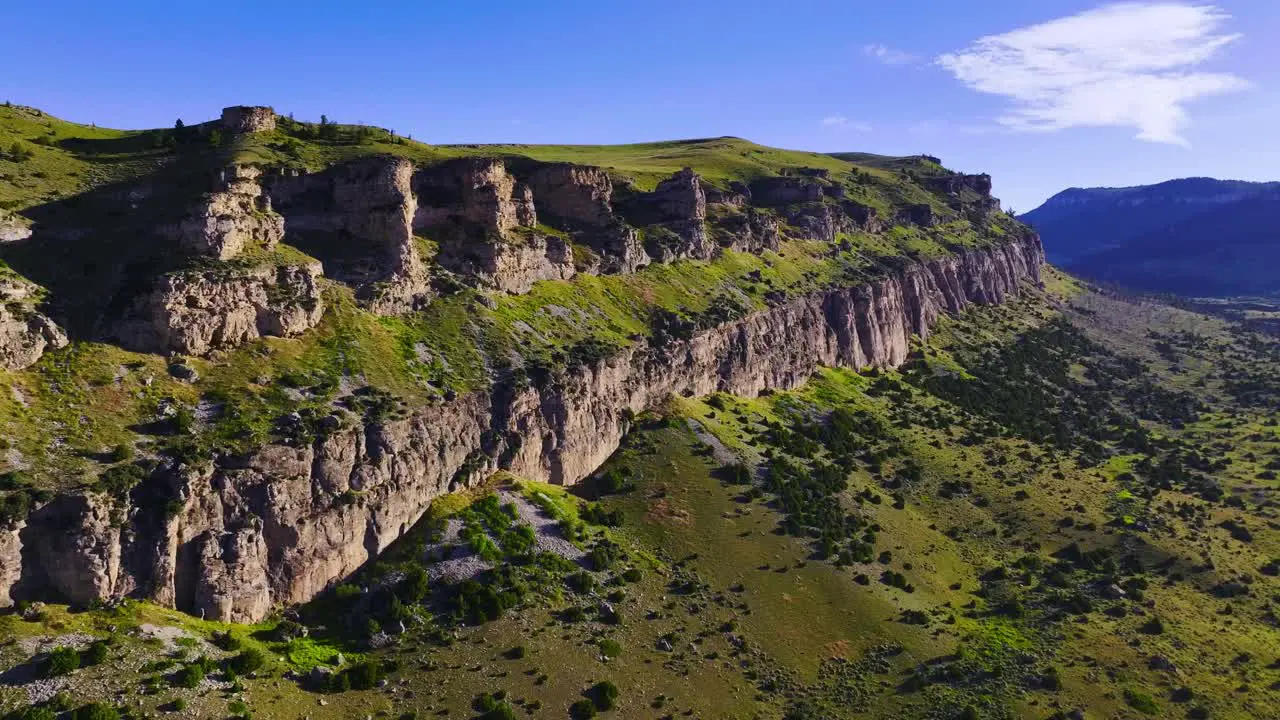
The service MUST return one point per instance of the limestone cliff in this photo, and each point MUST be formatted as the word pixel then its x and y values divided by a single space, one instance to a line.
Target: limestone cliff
pixel 487 225
pixel 235 216
pixel 233 539
pixel 24 333
pixel 358 218
pixel 195 312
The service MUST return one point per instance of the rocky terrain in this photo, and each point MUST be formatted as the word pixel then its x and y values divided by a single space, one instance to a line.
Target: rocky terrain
pixel 248 255
pixel 314 420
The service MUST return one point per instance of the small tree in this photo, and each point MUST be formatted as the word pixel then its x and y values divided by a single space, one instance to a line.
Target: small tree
pixel 61 661
pixel 248 661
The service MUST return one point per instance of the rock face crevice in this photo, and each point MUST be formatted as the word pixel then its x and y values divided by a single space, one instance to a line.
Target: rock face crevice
pixel 279 526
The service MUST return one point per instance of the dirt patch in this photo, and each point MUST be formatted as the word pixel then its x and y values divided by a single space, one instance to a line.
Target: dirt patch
pixel 663 511
pixel 837 649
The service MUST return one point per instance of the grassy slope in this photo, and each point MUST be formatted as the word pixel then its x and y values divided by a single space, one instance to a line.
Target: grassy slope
pixel 803 612
pixel 816 639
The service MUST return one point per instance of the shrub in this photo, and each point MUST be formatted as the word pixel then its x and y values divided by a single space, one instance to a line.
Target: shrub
pixel 227 641
pixel 96 711
pixel 35 712
pixel 614 481
pixel 61 661
pixel 582 710
pixel 610 648
pixel 1141 702
pixel 604 555
pixel 364 675
pixel 189 676
pixel 247 661
pixel 414 587
pixel 604 695
pixel 95 654
pixel 581 582
pixel 516 653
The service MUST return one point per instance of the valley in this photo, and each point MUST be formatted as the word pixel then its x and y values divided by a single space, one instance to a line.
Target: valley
pixel 327 423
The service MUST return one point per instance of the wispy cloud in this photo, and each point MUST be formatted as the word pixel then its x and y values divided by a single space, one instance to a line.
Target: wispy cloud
pixel 844 123
pixel 1123 65
pixel 888 55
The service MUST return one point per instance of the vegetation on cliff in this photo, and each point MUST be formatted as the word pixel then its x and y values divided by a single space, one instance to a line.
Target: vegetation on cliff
pixel 887 544
pixel 96 396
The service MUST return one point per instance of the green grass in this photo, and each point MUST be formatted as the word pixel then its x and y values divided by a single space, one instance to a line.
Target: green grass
pixel 714 567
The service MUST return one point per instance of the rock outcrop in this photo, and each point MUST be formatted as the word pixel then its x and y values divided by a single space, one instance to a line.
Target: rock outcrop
pixel 486 224
pixel 195 312
pixel 25 334
pixel 13 228
pixel 235 216
pixel 279 526
pixel 579 198
pixel 677 208
pixel 248 119
pixel 357 218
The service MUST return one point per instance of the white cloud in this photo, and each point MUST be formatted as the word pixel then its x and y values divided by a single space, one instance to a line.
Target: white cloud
pixel 844 123
pixel 888 55
pixel 1124 65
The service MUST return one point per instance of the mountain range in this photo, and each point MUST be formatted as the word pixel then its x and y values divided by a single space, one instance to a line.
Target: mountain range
pixel 1193 236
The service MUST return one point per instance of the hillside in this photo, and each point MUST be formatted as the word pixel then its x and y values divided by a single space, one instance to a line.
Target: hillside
pixel 330 423
pixel 1193 237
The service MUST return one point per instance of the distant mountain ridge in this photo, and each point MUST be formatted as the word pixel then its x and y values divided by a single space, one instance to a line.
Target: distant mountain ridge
pixel 1191 236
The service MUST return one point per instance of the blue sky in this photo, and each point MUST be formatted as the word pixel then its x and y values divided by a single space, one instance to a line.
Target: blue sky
pixel 1041 105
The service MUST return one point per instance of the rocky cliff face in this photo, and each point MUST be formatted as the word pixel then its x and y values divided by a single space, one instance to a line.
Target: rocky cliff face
pixel 487 226
pixel 197 312
pixel 233 540
pixel 235 216
pixel 248 119
pixel 357 218
pixel 13 227
pixel 24 333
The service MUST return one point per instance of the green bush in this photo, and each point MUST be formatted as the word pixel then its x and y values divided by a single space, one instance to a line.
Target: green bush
pixel 604 694
pixel 121 452
pixel 516 653
pixel 364 675
pixel 96 711
pixel 189 676
pixel 95 654
pixel 61 661
pixel 610 648
pixel 35 712
pixel 582 710
pixel 227 641
pixel 1141 702
pixel 250 660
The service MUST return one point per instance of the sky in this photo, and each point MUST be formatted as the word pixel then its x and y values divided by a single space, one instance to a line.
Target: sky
pixel 1043 94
